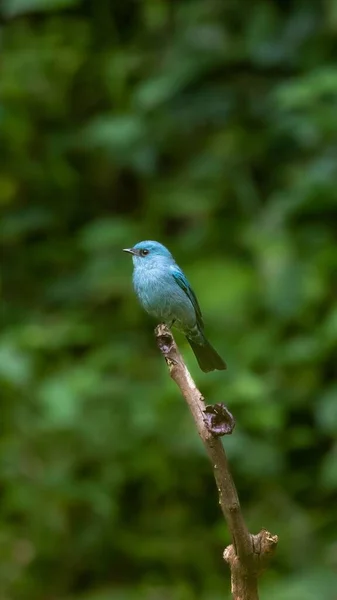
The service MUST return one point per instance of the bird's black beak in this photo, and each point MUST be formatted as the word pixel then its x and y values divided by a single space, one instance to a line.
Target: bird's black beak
pixel 129 250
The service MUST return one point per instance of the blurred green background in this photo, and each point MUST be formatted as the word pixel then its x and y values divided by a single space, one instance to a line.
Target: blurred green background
pixel 212 127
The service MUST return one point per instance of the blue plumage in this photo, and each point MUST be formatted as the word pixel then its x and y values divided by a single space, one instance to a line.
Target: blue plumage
pixel 165 293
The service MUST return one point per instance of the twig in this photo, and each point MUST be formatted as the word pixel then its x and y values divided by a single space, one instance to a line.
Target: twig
pixel 247 554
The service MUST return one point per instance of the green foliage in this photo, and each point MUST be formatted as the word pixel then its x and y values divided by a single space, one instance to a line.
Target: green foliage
pixel 210 126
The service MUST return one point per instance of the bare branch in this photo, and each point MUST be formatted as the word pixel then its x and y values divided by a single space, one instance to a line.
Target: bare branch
pixel 247 553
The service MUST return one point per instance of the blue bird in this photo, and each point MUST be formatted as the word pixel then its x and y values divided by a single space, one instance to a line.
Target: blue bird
pixel 165 293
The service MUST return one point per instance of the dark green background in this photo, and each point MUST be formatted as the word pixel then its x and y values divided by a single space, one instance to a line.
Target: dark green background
pixel 212 127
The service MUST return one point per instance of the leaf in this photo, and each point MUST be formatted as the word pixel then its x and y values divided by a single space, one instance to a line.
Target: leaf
pixel 15 366
pixel 14 8
pixel 114 133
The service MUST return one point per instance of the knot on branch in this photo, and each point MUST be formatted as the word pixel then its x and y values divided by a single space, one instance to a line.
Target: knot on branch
pixel 218 420
pixel 263 546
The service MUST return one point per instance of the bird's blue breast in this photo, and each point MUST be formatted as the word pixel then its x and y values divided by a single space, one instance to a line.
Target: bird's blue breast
pixel 162 297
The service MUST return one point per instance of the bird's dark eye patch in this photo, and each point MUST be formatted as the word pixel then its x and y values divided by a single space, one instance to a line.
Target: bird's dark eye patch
pixel 144 252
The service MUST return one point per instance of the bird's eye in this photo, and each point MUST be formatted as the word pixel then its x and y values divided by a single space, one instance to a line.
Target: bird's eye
pixel 144 252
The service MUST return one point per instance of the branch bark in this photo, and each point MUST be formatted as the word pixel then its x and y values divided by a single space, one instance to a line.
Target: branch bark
pixel 248 553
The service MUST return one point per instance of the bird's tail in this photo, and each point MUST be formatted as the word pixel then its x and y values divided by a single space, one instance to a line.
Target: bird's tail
pixel 207 357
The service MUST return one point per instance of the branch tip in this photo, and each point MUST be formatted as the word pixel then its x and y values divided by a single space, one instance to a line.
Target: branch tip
pixel 164 338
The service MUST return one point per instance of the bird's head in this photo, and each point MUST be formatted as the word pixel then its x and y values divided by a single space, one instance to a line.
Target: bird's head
pixel 149 253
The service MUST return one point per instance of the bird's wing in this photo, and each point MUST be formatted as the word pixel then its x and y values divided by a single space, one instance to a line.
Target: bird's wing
pixel 182 281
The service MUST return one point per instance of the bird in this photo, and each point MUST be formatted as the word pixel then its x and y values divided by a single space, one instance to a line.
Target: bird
pixel 164 292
